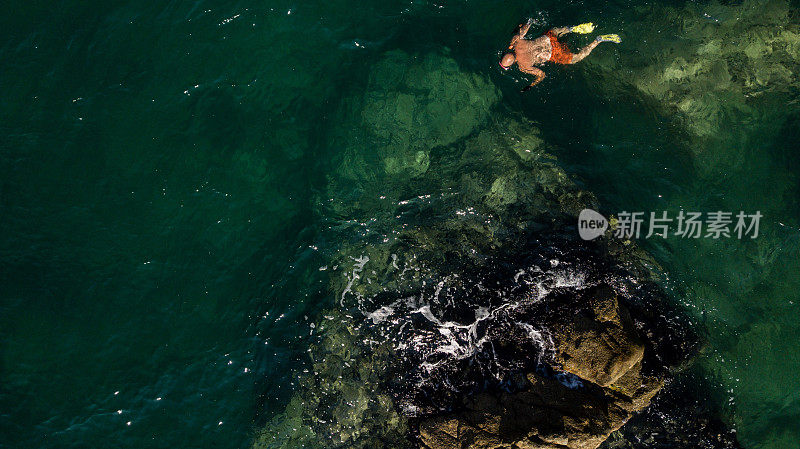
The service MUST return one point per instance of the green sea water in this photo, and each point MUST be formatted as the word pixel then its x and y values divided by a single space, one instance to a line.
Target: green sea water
pixel 165 211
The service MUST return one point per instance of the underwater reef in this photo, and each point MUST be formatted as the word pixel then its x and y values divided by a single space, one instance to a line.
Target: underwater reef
pixel 709 65
pixel 467 312
pixel 411 105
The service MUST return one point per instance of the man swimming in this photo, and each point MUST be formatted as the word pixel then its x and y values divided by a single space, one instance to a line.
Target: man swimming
pixel 528 53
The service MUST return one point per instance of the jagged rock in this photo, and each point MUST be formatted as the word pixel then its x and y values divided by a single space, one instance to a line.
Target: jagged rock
pixel 634 390
pixel 601 345
pixel 549 415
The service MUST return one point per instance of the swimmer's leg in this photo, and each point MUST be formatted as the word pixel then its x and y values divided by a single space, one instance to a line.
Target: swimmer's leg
pixel 560 31
pixel 577 57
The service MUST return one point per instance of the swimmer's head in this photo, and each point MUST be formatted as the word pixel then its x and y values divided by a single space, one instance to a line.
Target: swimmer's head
pixel 507 61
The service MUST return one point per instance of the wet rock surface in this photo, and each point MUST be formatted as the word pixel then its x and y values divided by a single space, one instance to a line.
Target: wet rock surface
pixel 681 417
pixel 600 344
pixel 547 415
pixel 594 340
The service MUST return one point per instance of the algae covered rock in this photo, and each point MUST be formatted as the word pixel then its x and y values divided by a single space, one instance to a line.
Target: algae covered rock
pixel 410 106
pixel 421 102
pixel 340 402
pixel 721 70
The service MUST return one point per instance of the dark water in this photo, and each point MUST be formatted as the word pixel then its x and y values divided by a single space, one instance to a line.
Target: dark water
pixel 163 218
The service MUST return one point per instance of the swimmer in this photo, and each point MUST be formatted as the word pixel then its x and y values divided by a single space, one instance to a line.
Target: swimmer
pixel 528 53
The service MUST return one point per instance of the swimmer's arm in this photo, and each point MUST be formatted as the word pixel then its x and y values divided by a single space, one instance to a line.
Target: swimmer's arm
pixel 538 73
pixel 522 30
pixel 524 27
pixel 560 31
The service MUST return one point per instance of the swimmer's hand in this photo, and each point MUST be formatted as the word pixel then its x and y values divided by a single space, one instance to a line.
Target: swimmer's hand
pixel 523 28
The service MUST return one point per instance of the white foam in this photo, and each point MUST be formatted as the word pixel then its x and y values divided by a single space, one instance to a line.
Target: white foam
pixel 352 276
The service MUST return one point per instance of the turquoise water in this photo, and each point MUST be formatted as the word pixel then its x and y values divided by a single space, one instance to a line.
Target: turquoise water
pixel 165 198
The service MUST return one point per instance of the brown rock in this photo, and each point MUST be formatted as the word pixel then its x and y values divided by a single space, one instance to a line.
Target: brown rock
pixel 599 344
pixel 440 432
pixel 548 415
pixel 634 390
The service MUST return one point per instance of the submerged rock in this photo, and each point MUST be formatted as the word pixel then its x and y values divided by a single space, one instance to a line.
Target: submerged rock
pixel 411 105
pixel 487 325
pixel 679 418
pixel 340 402
pixel 471 314
pixel 721 70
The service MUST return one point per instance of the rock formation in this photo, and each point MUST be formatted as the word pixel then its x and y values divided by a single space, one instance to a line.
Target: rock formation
pixel 470 315
pixel 597 343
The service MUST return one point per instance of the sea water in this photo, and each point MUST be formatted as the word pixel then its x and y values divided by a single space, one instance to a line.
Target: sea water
pixel 167 237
